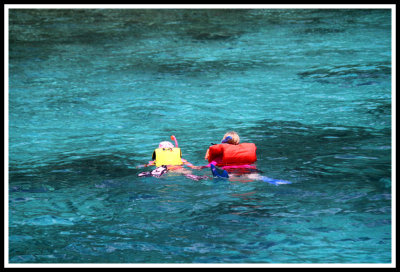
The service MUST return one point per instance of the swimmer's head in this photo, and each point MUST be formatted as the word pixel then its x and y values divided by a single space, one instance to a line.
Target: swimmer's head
pixel 235 138
pixel 165 144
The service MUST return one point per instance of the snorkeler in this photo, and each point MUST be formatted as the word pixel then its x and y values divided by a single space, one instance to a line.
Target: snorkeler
pixel 168 157
pixel 236 158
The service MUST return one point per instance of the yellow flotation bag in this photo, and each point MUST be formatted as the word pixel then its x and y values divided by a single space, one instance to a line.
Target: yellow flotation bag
pixel 167 156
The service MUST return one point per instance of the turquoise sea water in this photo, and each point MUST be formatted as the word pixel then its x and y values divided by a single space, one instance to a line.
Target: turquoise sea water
pixel 93 92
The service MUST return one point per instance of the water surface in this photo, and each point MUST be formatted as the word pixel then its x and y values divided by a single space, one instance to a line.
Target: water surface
pixel 93 92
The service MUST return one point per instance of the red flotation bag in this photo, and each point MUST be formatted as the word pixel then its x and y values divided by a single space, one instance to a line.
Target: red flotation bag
pixel 229 154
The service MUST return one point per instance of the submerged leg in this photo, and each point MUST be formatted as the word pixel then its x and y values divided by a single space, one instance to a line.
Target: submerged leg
pixel 195 177
pixel 275 181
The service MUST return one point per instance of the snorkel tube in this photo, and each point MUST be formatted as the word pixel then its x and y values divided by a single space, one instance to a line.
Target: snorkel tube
pixel 174 139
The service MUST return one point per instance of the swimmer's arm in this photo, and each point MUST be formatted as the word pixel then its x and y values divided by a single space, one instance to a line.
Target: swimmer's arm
pixel 151 163
pixel 207 155
pixel 185 162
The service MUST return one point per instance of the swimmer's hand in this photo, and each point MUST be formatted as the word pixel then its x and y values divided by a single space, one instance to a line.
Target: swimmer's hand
pixel 145 165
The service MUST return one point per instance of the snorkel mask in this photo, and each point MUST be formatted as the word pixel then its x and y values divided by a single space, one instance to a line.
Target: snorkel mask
pixel 227 139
